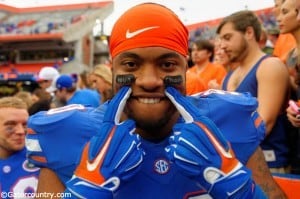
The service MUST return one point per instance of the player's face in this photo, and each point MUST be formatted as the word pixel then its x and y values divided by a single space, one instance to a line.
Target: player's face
pixel 233 43
pixel 148 105
pixel 287 19
pixel 12 130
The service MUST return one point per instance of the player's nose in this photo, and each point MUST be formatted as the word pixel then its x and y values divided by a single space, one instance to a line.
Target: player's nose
pixel 150 79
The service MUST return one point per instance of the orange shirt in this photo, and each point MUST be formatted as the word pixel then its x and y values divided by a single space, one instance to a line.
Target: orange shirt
pixel 284 44
pixel 194 84
pixel 210 72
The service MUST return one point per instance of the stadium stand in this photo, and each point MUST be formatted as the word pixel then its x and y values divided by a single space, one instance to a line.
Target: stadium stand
pixel 207 29
pixel 34 37
pixel 37 36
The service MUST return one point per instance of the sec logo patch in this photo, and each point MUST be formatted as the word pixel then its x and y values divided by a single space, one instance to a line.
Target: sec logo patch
pixel 161 166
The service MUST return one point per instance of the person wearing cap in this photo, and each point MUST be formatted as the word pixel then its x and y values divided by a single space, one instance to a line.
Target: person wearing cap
pixel 66 92
pixel 46 77
pixel 153 141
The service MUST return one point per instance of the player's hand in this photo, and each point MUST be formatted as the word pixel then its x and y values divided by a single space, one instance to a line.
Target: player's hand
pixel 199 149
pixel 112 155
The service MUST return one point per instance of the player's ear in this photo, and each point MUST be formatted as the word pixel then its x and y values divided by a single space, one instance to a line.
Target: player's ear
pixel 186 65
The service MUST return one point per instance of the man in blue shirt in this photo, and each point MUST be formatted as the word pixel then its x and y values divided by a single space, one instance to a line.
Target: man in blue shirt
pixel 66 92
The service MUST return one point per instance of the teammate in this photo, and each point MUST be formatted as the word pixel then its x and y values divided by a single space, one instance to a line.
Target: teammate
pixel 145 170
pixel 17 176
pixel 74 125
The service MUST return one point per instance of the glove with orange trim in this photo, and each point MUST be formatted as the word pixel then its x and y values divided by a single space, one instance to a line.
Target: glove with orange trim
pixel 111 156
pixel 198 148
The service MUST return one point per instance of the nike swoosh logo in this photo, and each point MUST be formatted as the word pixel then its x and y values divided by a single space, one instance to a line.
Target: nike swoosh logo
pixel 137 32
pixel 100 156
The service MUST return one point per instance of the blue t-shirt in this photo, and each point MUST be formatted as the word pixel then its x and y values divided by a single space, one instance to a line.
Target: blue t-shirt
pixel 85 97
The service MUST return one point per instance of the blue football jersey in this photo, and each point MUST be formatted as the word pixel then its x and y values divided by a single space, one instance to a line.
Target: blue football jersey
pixel 55 138
pixel 17 176
pixel 235 115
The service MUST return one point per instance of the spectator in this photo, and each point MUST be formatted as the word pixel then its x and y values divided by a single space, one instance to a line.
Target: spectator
pixel 40 105
pixel 264 42
pixel 263 76
pixel 102 81
pixel 202 56
pixel 17 176
pixel 221 58
pixel 287 18
pixel 66 92
pixel 43 101
pixel 46 78
pixel 289 23
pixel 26 97
pixel 84 80
pixel 194 84
pixel 285 42
pixel 40 94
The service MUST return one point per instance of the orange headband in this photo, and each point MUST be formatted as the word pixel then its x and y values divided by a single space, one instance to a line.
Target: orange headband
pixel 146 25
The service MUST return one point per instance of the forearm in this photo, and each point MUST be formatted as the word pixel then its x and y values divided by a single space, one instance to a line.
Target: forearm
pixel 49 183
pixel 262 175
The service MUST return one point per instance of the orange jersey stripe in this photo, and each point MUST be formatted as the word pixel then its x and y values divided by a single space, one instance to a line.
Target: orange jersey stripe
pixel 258 121
pixel 227 157
pixel 39 158
pixel 30 131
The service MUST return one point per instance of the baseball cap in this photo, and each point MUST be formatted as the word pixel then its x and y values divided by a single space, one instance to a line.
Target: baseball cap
pixel 61 81
pixel 64 81
pixel 47 73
